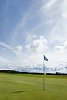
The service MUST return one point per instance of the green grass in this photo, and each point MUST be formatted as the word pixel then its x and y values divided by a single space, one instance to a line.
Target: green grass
pixel 30 87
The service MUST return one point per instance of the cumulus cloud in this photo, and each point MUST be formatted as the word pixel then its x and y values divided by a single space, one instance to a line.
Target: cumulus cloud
pixel 35 50
pixel 38 45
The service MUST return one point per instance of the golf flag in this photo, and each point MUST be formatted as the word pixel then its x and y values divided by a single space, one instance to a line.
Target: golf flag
pixel 45 58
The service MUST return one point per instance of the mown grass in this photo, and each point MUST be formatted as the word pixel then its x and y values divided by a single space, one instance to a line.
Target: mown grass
pixel 30 87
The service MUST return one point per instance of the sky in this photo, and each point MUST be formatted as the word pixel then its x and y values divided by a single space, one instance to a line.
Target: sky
pixel 31 28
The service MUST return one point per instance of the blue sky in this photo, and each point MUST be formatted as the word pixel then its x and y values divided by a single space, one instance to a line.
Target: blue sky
pixel 31 28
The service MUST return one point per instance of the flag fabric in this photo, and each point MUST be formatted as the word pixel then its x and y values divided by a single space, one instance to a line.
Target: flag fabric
pixel 45 58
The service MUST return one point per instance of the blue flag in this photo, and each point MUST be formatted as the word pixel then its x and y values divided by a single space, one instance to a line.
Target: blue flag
pixel 45 58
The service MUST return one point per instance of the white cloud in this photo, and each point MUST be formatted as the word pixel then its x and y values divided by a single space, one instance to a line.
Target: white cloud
pixel 30 37
pixel 61 53
pixel 19 48
pixel 65 43
pixel 6 46
pixel 64 9
pixel 64 15
pixel 62 48
pixel 48 5
pixel 20 25
pixel 35 50
pixel 64 5
pixel 16 50
pixel 38 45
pixel 34 36
pixel 4 61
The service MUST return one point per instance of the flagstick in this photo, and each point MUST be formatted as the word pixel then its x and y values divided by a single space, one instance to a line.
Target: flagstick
pixel 43 76
pixel 45 59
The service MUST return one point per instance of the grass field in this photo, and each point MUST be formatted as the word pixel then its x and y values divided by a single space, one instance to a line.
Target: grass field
pixel 30 87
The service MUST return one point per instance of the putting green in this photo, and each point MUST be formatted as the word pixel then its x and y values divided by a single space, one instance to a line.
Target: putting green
pixel 30 87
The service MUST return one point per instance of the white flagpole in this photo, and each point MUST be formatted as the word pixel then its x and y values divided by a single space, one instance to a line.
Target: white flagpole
pixel 44 75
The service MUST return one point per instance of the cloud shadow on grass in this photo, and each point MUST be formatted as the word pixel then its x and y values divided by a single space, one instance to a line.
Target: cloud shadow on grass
pixel 18 91
pixel 26 91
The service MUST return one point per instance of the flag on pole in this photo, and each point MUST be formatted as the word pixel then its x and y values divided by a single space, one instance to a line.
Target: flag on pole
pixel 45 58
